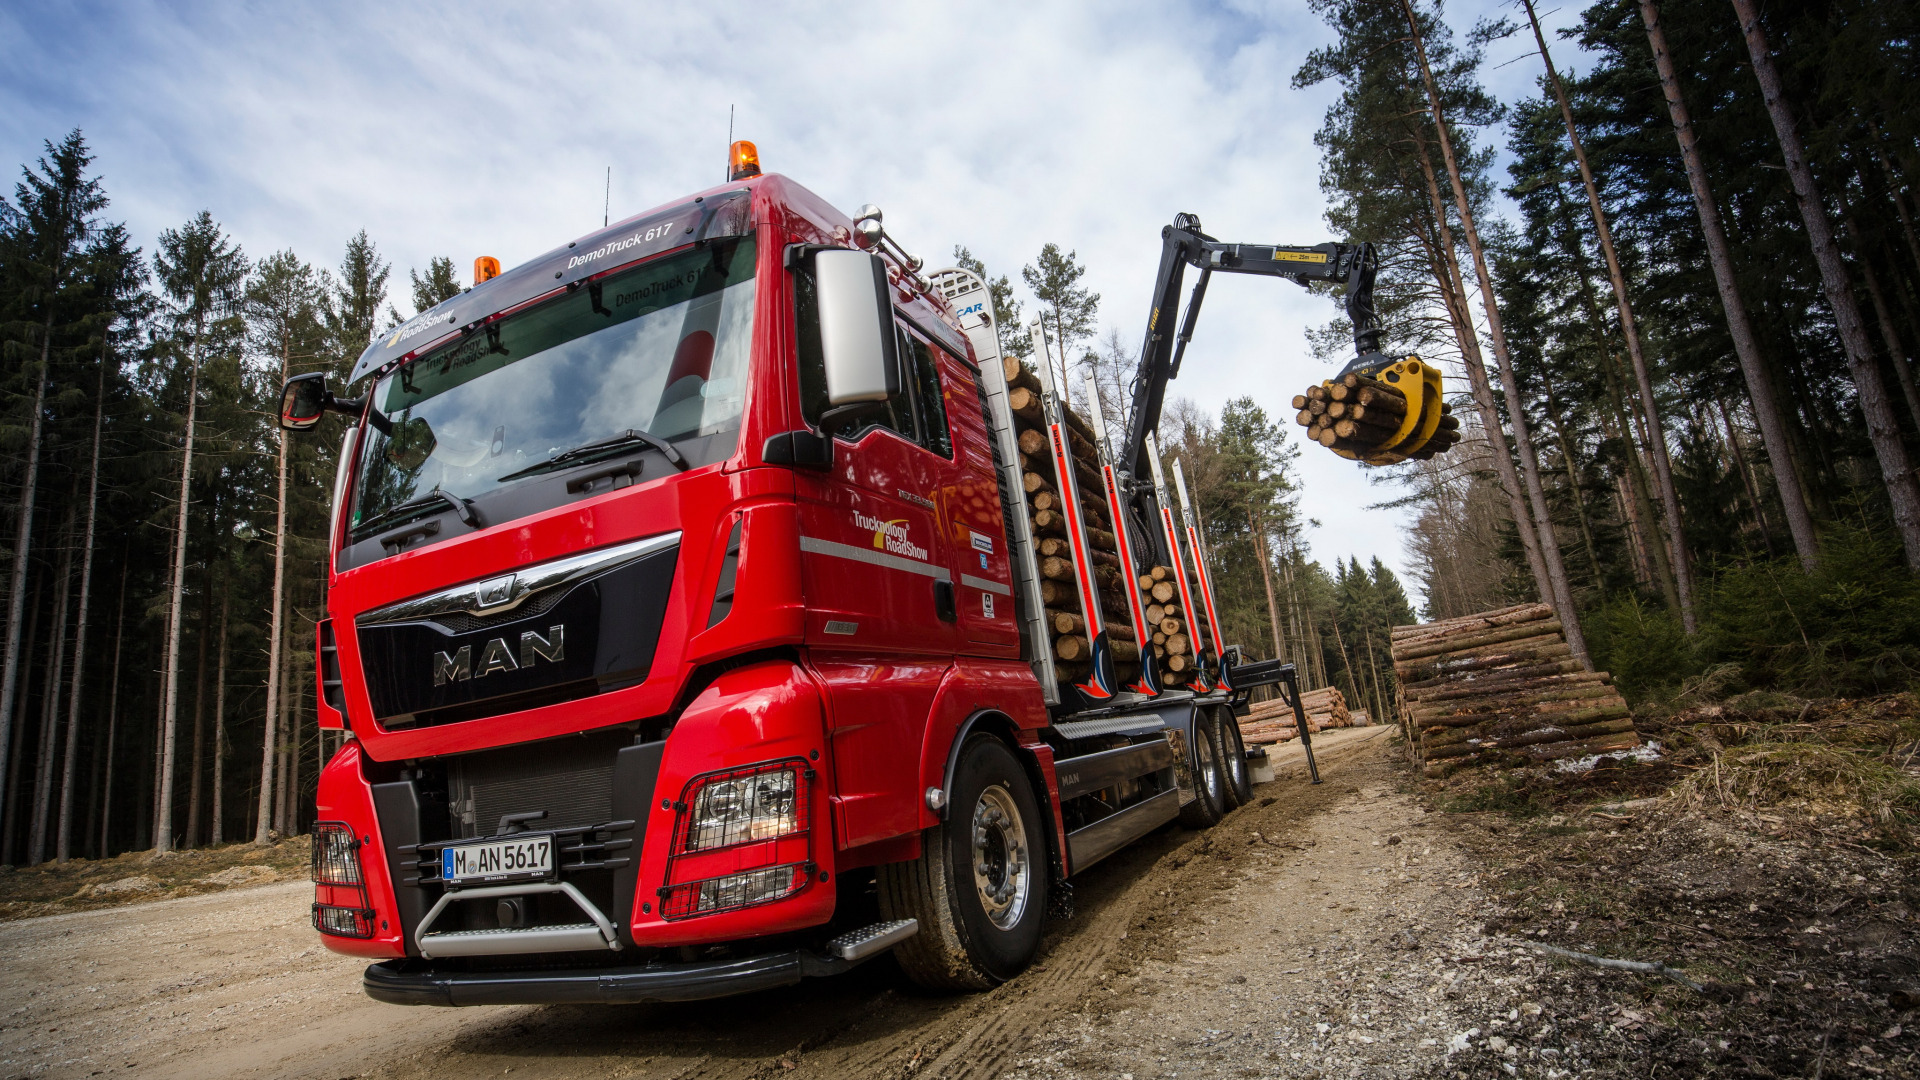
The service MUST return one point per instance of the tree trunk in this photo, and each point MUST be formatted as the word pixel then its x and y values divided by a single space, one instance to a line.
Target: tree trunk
pixel 1662 464
pixel 1747 480
pixel 50 707
pixel 1558 588
pixel 113 716
pixel 17 587
pixel 220 723
pixel 170 694
pixel 196 787
pixel 1652 556
pixel 275 641
pixel 1454 288
pixel 1893 189
pixel 1766 407
pixel 1266 576
pixel 1573 484
pixel 63 845
pixel 1903 492
pixel 1896 352
pixel 10 831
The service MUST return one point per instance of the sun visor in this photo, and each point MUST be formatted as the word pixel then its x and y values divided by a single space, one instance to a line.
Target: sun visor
pixel 726 214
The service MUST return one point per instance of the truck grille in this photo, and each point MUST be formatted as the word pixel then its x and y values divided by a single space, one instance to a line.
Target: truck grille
pixel 570 779
pixel 572 640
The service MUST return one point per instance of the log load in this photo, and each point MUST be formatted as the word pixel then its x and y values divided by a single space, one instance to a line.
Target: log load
pixel 1177 641
pixel 1046 512
pixel 1501 688
pixel 1355 414
pixel 1273 722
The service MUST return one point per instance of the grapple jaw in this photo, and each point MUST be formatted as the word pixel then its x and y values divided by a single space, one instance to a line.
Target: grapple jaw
pixel 1419 382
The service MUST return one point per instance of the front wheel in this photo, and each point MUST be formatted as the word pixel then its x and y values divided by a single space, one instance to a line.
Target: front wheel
pixel 979 887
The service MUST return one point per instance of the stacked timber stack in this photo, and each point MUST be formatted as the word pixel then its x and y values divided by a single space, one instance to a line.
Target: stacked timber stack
pixel 1176 638
pixel 1355 414
pixel 1502 687
pixel 1072 644
pixel 1272 721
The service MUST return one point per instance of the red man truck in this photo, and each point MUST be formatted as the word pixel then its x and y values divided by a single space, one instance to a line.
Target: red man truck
pixel 684 620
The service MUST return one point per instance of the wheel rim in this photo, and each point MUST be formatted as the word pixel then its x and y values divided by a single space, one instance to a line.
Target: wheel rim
pixel 1203 755
pixel 1236 755
pixel 1002 869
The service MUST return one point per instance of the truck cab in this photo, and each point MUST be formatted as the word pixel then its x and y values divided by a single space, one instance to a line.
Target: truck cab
pixel 672 616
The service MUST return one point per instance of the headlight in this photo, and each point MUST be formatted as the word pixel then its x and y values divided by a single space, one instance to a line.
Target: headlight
pixel 340 905
pixel 761 803
pixel 741 838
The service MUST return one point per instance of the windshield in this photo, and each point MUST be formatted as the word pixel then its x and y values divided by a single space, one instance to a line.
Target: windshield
pixel 660 349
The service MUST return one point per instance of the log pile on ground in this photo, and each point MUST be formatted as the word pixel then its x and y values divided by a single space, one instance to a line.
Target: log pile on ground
pixel 1502 688
pixel 1072 644
pixel 1272 721
pixel 1355 415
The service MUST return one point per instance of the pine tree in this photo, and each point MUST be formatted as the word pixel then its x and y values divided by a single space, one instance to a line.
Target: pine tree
pixel 53 218
pixel 285 305
pixel 439 283
pixel 202 272
pixel 1070 308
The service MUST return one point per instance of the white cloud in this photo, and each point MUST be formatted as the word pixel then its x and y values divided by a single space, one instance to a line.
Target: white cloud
pixel 464 130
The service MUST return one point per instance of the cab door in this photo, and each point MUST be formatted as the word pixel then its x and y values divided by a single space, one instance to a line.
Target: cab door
pixel 966 487
pixel 881 628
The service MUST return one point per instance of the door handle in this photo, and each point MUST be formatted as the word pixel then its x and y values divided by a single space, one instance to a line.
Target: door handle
pixel 943 603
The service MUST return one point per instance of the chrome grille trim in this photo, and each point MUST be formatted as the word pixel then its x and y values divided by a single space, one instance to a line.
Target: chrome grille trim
pixel 503 592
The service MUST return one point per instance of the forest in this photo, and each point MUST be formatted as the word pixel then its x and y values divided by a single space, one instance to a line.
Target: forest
pixel 1675 323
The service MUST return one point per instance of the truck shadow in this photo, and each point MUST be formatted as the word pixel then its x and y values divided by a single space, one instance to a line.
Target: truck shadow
pixel 872 1020
pixel 872 1015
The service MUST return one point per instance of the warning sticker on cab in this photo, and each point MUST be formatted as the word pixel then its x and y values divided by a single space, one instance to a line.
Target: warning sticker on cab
pixel 1300 256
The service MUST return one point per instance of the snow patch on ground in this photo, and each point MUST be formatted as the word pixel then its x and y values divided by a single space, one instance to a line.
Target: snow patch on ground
pixel 1645 753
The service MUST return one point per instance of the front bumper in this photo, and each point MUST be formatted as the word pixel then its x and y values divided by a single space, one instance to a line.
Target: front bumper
pixel 400 982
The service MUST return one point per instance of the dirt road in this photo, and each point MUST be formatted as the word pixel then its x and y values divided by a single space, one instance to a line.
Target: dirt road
pixel 1254 944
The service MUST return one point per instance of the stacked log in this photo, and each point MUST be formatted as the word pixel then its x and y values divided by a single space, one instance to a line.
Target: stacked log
pixel 1355 415
pixel 1502 688
pixel 1273 721
pixel 1177 639
pixel 1066 626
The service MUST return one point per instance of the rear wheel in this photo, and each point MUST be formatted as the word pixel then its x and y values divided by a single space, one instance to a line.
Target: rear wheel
pixel 979 887
pixel 1233 759
pixel 1203 758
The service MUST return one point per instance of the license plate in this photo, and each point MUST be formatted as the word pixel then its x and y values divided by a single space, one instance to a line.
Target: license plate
pixel 519 859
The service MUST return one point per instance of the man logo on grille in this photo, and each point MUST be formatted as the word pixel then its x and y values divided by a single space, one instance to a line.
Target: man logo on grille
pixel 457 666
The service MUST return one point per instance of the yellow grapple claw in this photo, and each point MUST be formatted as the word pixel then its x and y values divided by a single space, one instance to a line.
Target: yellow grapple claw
pixel 1420 382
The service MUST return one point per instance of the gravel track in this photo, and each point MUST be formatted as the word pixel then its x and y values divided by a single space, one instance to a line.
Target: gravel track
pixel 1180 942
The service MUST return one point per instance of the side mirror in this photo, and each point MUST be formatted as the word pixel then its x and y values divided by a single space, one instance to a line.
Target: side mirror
pixel 857 338
pixel 303 401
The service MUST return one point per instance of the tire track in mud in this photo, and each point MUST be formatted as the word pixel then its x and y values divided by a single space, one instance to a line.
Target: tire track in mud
pixel 982 1040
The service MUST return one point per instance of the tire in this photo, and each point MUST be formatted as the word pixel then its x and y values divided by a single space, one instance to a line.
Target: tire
pixel 1211 805
pixel 1233 758
pixel 979 887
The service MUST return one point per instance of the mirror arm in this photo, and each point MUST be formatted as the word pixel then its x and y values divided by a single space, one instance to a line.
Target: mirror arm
pixel 355 407
pixel 839 414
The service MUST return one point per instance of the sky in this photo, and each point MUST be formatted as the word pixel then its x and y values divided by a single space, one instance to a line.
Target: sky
pixel 489 129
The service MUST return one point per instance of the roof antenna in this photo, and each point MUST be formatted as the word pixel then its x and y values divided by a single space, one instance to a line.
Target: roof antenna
pixel 606 212
pixel 729 142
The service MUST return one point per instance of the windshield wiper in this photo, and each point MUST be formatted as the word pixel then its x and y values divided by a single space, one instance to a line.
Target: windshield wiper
pixel 412 507
pixel 600 448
